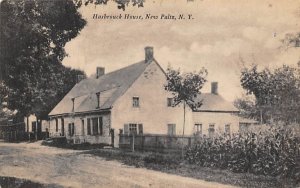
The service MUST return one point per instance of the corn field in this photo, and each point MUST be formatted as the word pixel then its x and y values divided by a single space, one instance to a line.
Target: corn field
pixel 273 152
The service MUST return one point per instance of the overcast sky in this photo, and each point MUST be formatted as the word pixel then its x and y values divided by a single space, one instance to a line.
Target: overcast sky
pixel 221 33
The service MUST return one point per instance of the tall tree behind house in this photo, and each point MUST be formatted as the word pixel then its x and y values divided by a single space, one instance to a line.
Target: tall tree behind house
pixel 276 93
pixel 33 37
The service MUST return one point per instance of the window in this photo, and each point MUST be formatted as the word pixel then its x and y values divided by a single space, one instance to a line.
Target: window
pixel 71 129
pixel 171 129
pixel 56 125
pixel 227 129
pixel 101 125
pixel 95 126
pixel 135 102
pixel 62 127
pixel 132 128
pixel 198 129
pixel 244 127
pixel 82 126
pixel 211 130
pixel 88 126
pixel 170 102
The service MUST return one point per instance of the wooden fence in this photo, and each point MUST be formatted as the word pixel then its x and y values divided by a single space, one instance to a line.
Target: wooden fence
pixel 13 132
pixel 165 143
pixel 155 142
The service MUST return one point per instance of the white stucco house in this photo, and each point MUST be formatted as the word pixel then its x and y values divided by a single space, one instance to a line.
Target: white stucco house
pixel 133 100
pixel 215 115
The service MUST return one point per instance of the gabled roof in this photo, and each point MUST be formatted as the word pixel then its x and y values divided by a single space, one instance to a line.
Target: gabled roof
pixel 111 86
pixel 214 103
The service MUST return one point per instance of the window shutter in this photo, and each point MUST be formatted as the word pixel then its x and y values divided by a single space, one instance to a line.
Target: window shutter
pixel 126 129
pixel 174 129
pixel 101 125
pixel 141 131
pixel 88 126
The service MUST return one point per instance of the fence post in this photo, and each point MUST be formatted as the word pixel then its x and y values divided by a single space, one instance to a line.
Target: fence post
pixel 156 143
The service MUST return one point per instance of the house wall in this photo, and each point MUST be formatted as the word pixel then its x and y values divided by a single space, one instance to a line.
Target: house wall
pixel 80 131
pixel 153 111
pixel 220 119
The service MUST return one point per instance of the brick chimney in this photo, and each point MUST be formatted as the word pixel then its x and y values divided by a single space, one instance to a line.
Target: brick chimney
pixel 100 71
pixel 148 54
pixel 214 88
pixel 73 104
pixel 98 99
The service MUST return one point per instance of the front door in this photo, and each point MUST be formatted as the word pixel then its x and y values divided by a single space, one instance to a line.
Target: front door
pixel 112 134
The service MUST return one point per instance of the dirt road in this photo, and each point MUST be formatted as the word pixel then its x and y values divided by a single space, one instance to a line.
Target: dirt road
pixel 71 168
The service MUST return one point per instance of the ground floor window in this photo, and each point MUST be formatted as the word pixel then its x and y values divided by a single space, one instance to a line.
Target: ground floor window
pixel 95 126
pixel 227 129
pixel 71 129
pixel 171 129
pixel 56 125
pixel 82 126
pixel 62 127
pixel 211 130
pixel 198 129
pixel 133 128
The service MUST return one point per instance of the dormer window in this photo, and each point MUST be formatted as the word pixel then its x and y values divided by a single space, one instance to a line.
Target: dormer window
pixel 135 102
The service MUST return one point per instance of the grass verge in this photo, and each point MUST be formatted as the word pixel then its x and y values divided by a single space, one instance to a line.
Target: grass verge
pixel 172 163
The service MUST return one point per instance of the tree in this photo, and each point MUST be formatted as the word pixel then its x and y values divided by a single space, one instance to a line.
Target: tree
pixel 185 87
pixel 247 107
pixel 121 3
pixel 33 36
pixel 277 92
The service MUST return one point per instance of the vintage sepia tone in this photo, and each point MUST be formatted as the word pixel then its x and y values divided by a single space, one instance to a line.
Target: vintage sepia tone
pixel 140 93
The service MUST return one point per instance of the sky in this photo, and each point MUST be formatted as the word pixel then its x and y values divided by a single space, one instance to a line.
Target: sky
pixel 221 34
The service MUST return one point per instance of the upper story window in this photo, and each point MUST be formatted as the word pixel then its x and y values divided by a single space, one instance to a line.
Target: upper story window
pixel 135 102
pixel 170 102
